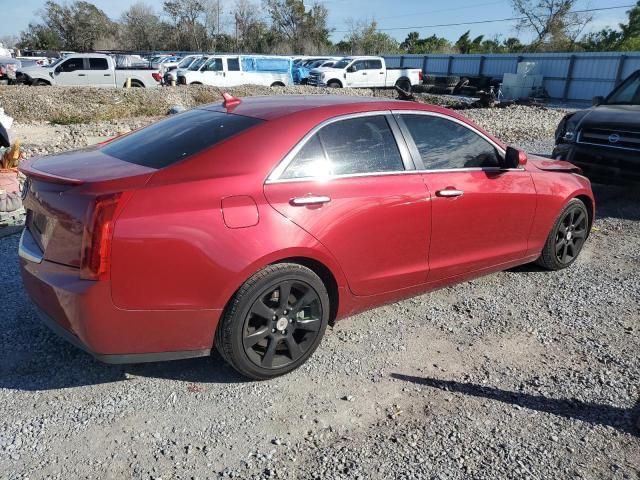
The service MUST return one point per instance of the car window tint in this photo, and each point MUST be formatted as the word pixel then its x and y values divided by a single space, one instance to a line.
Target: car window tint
pixel 445 144
pixel 310 161
pixel 177 137
pixel 374 64
pixel 357 145
pixel 360 65
pixel 628 93
pixel 98 64
pixel 233 64
pixel 72 65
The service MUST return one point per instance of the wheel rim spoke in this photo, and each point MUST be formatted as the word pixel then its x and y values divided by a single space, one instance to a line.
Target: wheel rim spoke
pixel 260 309
pixel 267 360
pixel 579 233
pixel 285 292
pixel 559 245
pixel 295 351
pixel 580 219
pixel 304 300
pixel 310 325
pixel 564 252
pixel 250 340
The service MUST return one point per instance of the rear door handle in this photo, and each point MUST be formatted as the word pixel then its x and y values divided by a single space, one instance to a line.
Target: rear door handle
pixel 449 192
pixel 311 200
pixel 82 75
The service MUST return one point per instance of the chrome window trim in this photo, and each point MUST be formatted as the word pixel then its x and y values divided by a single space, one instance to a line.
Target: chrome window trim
pixel 279 169
pixel 274 176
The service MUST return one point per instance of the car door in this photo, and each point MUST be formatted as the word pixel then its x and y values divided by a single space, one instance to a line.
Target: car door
pixel 213 72
pixel 356 74
pixel 233 73
pixel 351 184
pixel 71 72
pixel 99 74
pixel 481 214
pixel 376 74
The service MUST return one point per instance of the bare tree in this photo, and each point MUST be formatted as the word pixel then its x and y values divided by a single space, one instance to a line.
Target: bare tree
pixel 553 22
pixel 140 27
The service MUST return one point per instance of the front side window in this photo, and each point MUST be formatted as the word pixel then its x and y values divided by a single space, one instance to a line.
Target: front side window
pixel 353 146
pixel 359 65
pixel 98 64
pixel 445 144
pixel 195 66
pixel 214 65
pixel 72 65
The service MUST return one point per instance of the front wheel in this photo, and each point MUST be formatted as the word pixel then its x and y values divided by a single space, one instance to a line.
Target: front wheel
pixel 334 84
pixel 274 322
pixel 567 237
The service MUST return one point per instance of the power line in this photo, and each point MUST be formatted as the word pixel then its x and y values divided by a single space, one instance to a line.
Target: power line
pixel 453 9
pixel 478 22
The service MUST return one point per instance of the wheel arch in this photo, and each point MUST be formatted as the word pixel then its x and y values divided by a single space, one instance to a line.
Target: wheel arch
pixel 590 204
pixel 278 84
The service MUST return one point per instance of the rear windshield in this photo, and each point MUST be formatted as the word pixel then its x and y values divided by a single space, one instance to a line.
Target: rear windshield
pixel 177 137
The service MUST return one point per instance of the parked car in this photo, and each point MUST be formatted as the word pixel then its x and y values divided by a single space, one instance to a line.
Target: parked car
pixel 234 70
pixel 302 69
pixel 171 75
pixel 166 63
pixel 260 221
pixel 361 72
pixel 604 140
pixel 89 69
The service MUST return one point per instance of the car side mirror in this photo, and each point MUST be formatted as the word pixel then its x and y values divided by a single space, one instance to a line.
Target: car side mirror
pixel 597 100
pixel 514 158
pixel 57 70
pixel 351 69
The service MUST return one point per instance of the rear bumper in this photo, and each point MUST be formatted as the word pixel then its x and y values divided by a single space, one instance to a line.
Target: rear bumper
pixel 602 164
pixel 82 312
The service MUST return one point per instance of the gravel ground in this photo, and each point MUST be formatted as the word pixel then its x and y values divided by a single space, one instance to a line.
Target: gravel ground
pixel 520 374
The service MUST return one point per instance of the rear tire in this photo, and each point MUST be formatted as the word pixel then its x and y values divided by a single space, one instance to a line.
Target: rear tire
pixel 404 84
pixel 334 84
pixel 41 83
pixel 274 322
pixel 277 84
pixel 567 237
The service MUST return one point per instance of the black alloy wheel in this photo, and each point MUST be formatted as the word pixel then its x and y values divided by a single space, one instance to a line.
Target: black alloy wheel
pixel 275 321
pixel 567 237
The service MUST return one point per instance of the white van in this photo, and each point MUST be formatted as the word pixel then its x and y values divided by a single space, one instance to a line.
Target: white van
pixel 234 70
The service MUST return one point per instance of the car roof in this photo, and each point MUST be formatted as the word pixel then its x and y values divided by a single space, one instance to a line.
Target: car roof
pixel 276 106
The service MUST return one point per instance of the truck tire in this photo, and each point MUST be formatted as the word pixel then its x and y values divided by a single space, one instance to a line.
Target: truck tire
pixel 195 83
pixel 334 84
pixel 277 84
pixel 41 83
pixel 404 84
pixel 452 80
pixel 137 84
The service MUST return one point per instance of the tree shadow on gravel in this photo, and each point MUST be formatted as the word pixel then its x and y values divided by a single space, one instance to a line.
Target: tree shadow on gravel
pixel 626 420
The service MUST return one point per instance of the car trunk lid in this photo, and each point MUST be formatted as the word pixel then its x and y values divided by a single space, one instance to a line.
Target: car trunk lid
pixel 60 191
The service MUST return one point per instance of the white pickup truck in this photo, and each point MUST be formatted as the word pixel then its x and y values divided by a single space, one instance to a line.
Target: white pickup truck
pixel 364 72
pixel 89 70
pixel 235 70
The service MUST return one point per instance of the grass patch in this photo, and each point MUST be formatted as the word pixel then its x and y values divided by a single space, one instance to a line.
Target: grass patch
pixel 66 119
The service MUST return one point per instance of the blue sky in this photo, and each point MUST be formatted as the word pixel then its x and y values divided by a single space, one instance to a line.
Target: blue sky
pixel 16 14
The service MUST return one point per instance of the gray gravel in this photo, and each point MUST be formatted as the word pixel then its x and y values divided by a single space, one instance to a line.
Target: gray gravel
pixel 520 374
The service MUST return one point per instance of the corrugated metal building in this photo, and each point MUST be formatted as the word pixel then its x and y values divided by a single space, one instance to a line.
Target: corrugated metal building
pixel 567 76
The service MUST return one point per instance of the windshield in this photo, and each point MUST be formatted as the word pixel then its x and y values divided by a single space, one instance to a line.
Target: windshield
pixel 628 93
pixel 56 62
pixel 198 63
pixel 342 63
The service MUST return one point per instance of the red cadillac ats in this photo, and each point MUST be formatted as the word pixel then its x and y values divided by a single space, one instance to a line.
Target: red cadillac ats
pixel 251 225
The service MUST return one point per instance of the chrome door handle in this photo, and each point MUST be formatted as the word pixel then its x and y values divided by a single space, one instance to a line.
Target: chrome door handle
pixel 449 193
pixel 311 200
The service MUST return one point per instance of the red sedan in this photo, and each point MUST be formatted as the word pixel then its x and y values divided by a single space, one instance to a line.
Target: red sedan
pixel 251 225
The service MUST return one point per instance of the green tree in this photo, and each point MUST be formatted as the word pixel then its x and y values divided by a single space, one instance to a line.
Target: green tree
pixel 296 29
pixel 631 31
pixel 140 28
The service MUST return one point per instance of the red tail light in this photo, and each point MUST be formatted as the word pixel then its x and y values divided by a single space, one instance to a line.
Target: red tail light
pixel 96 239
pixel 156 76
pixel 420 75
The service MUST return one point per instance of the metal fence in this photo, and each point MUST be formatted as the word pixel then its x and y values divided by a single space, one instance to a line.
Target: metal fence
pixel 567 76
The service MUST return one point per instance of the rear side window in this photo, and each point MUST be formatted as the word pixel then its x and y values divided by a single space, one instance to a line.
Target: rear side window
pixel 354 146
pixel 178 137
pixel 233 64
pixel 444 144
pixel 374 64
pixel 98 64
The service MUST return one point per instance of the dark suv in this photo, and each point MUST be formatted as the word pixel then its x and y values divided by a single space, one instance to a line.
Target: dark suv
pixel 604 140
